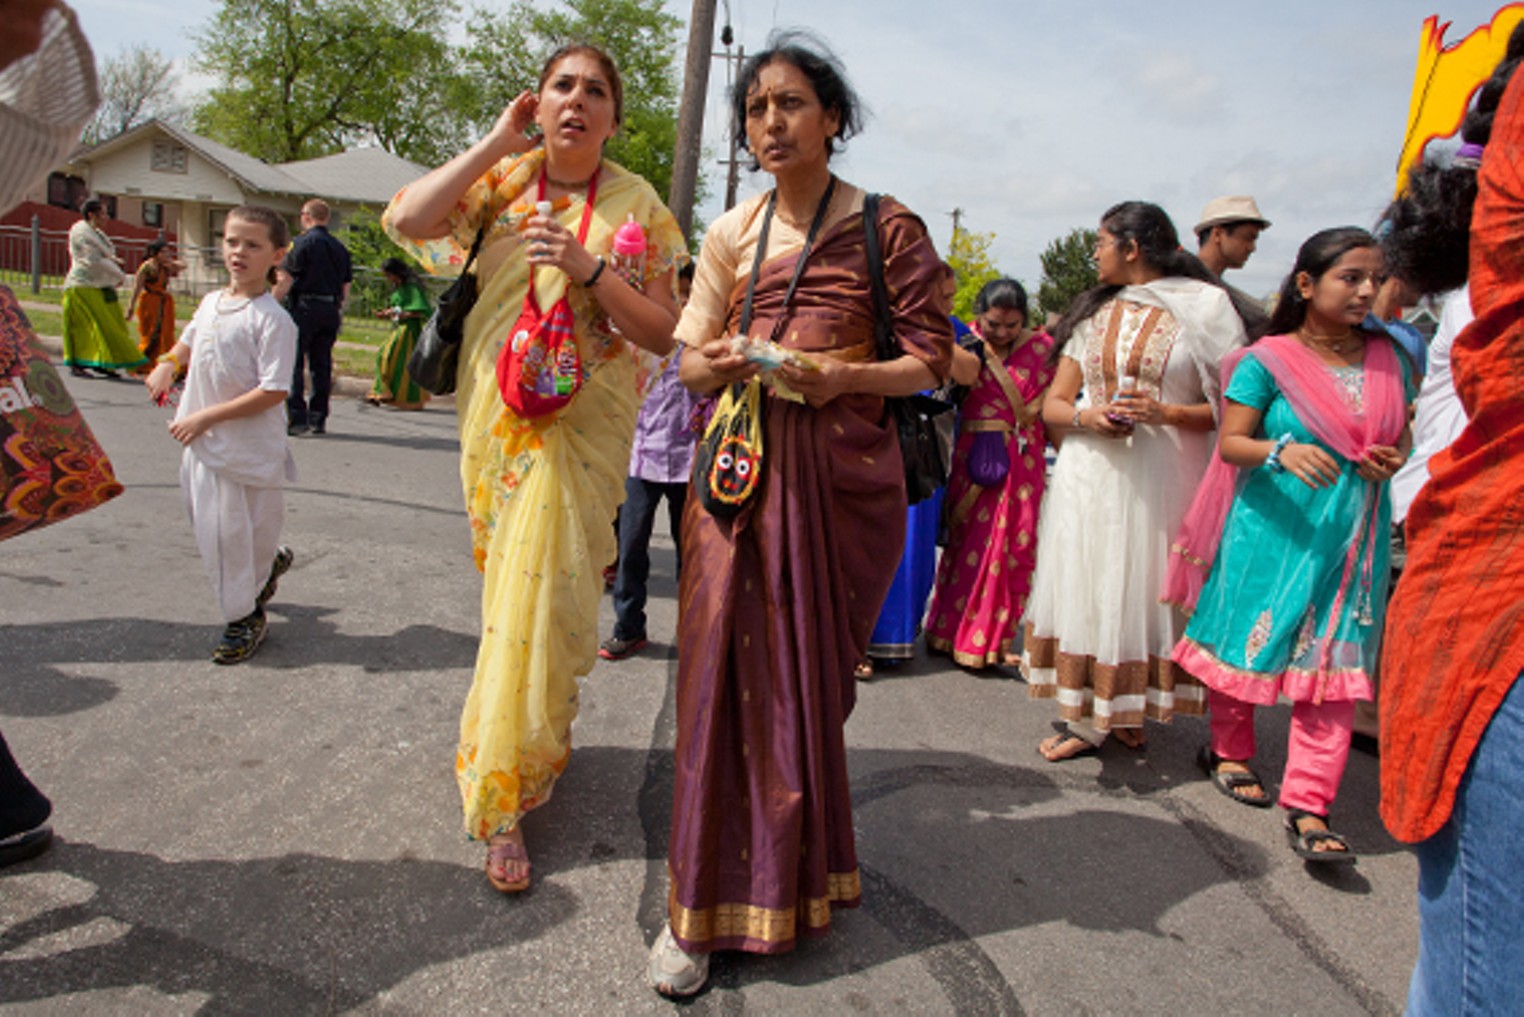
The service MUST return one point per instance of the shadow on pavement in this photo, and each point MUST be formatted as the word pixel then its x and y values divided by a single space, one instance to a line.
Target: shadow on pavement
pixel 33 658
pixel 293 934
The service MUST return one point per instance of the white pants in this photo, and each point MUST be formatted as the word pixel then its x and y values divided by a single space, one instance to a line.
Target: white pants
pixel 237 529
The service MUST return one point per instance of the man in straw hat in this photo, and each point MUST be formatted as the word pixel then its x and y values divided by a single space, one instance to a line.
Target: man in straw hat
pixel 1226 236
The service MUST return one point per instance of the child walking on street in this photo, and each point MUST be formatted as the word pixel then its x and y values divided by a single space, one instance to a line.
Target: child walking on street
pixel 238 353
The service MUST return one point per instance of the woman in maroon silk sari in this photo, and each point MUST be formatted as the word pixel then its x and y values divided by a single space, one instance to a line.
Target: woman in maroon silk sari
pixel 777 604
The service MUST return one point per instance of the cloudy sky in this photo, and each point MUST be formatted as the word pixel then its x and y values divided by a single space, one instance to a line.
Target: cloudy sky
pixel 1033 116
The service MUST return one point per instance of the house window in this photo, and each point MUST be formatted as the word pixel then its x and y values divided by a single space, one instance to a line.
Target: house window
pixel 65 191
pixel 153 213
pixel 167 157
pixel 216 223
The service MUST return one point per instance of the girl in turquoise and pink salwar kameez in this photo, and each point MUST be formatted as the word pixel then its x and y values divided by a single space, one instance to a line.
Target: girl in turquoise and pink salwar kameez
pixel 986 569
pixel 1288 533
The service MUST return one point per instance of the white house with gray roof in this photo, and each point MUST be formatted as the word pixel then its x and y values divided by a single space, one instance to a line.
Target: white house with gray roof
pixel 162 176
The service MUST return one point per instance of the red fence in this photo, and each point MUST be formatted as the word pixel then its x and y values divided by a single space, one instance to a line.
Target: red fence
pixel 16 257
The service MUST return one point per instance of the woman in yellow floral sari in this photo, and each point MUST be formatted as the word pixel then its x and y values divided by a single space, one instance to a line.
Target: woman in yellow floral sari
pixel 542 492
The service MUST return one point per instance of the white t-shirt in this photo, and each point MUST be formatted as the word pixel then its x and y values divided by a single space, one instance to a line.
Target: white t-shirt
pixel 1440 417
pixel 237 345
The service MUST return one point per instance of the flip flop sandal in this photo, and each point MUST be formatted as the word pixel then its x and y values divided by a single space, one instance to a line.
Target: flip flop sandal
pixel 497 855
pixel 863 672
pixel 1305 842
pixel 1231 783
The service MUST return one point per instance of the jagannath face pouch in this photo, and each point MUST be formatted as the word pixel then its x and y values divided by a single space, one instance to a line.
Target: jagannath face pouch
pixel 736 470
pixel 728 463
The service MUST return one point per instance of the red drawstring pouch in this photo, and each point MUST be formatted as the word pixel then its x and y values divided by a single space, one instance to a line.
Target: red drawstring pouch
pixel 539 370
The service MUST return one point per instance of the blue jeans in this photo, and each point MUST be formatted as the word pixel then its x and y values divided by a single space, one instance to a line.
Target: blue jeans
pixel 1471 884
pixel 641 498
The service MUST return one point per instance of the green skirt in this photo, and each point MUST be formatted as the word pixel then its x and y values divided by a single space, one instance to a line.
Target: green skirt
pixel 95 331
pixel 393 384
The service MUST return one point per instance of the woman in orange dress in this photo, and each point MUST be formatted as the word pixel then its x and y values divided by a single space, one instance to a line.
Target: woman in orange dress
pixel 152 303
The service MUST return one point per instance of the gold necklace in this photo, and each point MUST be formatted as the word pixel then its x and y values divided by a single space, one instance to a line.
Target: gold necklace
pixel 1344 343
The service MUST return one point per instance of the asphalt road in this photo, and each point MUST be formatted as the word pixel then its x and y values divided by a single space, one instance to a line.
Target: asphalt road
pixel 283 837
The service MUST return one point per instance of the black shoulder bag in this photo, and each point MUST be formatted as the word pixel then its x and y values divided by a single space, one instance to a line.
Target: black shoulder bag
pixel 914 416
pixel 436 357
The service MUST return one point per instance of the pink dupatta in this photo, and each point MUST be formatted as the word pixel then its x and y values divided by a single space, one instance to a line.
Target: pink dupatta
pixel 1315 396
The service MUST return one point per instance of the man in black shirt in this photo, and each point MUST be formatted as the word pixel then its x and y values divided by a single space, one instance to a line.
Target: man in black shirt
pixel 314 285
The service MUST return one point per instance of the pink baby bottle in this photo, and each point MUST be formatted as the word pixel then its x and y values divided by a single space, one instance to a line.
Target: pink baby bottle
pixel 630 253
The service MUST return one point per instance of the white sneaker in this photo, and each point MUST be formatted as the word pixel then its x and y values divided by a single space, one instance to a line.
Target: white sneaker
pixel 674 971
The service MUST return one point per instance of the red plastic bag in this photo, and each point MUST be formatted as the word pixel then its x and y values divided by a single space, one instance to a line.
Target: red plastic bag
pixel 540 368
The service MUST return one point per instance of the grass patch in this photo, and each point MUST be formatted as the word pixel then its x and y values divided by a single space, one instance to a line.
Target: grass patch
pixel 46 322
pixel 356 361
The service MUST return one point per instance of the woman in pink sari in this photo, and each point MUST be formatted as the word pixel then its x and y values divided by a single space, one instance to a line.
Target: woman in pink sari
pixel 995 487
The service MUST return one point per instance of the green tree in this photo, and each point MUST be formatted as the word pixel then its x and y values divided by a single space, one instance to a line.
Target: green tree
pixel 1068 269
pixel 969 257
pixel 297 79
pixel 506 50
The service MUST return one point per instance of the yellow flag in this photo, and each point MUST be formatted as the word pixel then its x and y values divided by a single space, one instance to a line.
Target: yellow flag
pixel 1446 77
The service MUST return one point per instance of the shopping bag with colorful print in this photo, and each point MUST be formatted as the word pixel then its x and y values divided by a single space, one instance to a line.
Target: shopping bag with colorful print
pixel 51 466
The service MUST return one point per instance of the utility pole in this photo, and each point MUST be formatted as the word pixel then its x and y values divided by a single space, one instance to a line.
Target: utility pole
pixel 690 119
pixel 957 218
pixel 733 164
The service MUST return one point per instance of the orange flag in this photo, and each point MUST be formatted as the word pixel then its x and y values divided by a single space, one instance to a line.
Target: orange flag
pixel 1446 77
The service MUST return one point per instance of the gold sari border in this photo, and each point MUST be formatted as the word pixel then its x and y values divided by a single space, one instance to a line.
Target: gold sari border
pixel 769 929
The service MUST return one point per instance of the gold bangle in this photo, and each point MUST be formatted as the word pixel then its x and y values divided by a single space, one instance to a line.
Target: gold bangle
pixel 172 359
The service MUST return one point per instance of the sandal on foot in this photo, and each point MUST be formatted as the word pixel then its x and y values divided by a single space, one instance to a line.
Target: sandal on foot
pixel 1305 842
pixel 499 854
pixel 675 972
pixel 1233 783
pixel 1063 737
pixel 863 672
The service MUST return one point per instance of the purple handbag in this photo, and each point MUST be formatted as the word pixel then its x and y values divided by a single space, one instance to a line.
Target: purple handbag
pixel 988 460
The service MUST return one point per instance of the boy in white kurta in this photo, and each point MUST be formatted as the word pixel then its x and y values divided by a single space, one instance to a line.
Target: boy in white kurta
pixel 239 351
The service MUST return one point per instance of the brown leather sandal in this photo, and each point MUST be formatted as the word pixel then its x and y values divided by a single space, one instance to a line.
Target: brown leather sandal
pixel 499 854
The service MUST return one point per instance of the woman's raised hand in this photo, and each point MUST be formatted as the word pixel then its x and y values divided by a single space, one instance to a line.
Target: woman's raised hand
pixel 514 121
